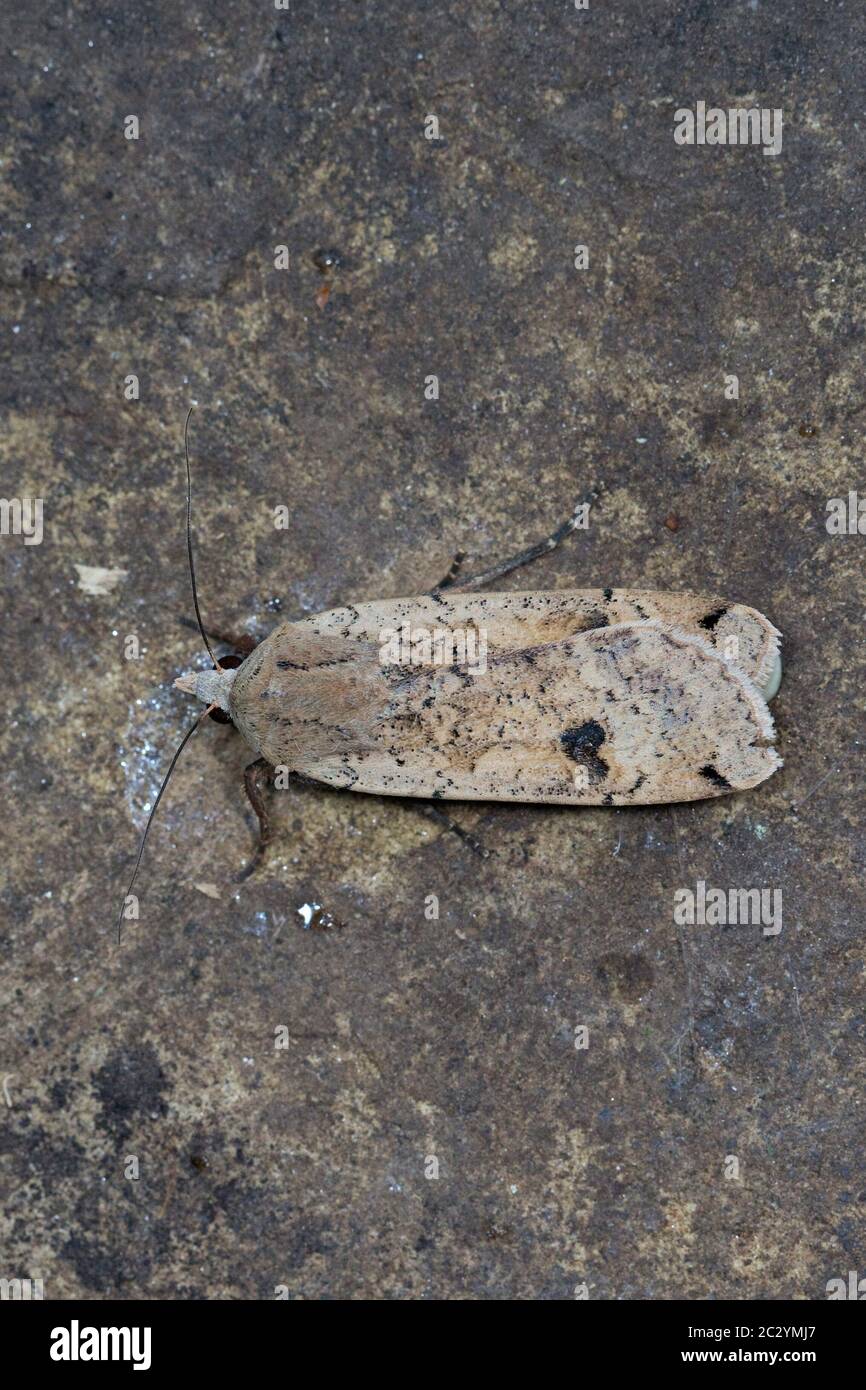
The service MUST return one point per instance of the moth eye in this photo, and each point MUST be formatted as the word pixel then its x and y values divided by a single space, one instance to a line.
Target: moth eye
pixel 219 716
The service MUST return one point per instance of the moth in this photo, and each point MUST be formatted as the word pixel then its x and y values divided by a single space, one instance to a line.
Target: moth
pixel 613 697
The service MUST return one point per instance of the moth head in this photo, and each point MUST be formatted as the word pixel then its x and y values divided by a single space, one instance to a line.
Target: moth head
pixel 212 687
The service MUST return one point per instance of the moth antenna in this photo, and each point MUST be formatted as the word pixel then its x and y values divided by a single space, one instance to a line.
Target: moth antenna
pixel 184 741
pixel 189 542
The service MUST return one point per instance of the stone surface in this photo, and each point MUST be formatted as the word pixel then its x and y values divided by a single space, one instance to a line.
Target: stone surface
pixel 410 1038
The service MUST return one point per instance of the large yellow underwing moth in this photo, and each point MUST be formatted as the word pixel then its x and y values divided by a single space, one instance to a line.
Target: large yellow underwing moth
pixel 611 697
pixel 585 697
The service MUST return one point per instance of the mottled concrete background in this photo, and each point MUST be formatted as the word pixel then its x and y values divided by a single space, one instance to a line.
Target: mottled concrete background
pixel 407 1037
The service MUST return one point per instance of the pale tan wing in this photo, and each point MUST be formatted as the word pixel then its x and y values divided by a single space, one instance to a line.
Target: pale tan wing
pixel 512 621
pixel 629 714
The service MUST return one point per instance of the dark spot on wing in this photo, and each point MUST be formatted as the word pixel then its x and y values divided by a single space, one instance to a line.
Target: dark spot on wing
pixel 284 664
pixel 713 775
pixel 710 620
pixel 582 743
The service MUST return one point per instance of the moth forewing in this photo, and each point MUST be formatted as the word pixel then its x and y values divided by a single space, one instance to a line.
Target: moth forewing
pixel 513 621
pixel 622 713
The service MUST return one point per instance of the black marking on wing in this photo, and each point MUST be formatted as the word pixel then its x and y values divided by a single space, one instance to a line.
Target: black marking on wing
pixel 710 620
pixel 713 775
pixel 582 743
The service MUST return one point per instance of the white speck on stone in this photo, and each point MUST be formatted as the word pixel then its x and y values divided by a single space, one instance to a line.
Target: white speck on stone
pixel 97 580
pixel 258 926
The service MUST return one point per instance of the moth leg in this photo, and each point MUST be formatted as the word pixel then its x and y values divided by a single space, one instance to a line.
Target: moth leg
pixel 306 781
pixel 243 642
pixel 448 580
pixel 252 775
pixel 430 809
pixel 533 552
pixel 435 813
